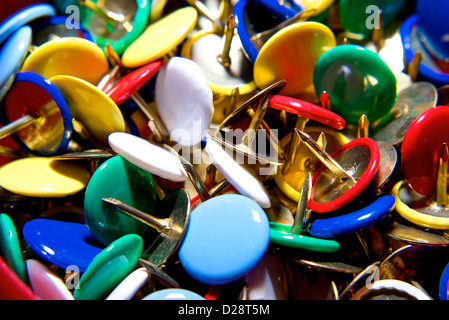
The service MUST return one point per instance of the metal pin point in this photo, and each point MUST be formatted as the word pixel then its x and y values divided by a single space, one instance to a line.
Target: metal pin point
pixel 244 147
pixel 324 157
pixel 195 179
pixel 234 98
pixel 441 196
pixel 159 274
pixel 250 134
pixel 273 137
pixel 83 133
pixel 257 97
pixel 322 142
pixel 363 127
pixel 334 291
pixel 284 119
pixel 302 214
pixel 413 67
pixel 294 144
pixel 224 58
pixel 108 78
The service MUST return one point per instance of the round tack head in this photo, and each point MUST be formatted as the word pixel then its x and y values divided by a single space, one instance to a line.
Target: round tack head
pixel 44 177
pixel 237 230
pixel 120 179
pixel 280 56
pixel 165 34
pixel 358 82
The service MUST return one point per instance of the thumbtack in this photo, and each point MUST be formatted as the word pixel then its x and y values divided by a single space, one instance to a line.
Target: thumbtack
pixel 350 169
pixel 156 271
pixel 295 235
pixel 434 212
pixel 324 157
pixel 176 205
pixel 425 170
pixel 244 147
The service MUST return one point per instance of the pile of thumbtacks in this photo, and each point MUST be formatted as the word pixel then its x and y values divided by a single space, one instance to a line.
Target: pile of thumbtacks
pixel 211 150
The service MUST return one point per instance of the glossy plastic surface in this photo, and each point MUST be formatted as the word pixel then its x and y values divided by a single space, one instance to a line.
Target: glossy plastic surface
pixel 421 147
pixel 307 110
pixel 71 56
pixel 173 294
pixel 12 53
pixel 184 101
pixel 132 82
pixel 349 222
pixel 444 284
pixel 291 54
pixel 290 7
pixel 135 29
pixel 12 287
pixel 120 179
pixel 280 234
pixel 10 246
pixel 128 288
pixel 148 156
pixel 24 16
pixel 243 180
pixel 358 18
pixel 432 26
pixel 237 230
pixel 358 82
pixel 97 112
pixel 411 44
pixel 43 177
pixel 109 268
pixel 414 216
pixel 164 35
pixel 242 9
pixel 45 283
pixel 268 280
pixel 61 243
